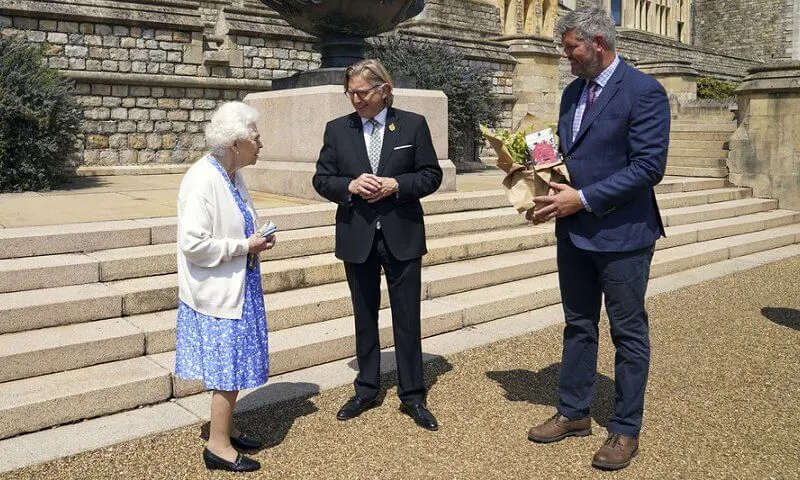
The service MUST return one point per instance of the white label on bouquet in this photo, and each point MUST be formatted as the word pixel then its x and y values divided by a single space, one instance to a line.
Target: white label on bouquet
pixel 543 146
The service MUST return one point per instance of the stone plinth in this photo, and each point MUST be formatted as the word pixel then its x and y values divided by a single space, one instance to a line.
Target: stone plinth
pixel 535 78
pixel 293 122
pixel 765 149
pixel 678 77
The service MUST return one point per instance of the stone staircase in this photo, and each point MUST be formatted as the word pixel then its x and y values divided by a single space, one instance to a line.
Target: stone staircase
pixel 698 141
pixel 87 311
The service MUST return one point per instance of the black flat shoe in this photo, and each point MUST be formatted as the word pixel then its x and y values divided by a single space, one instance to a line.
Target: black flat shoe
pixel 243 442
pixel 242 463
pixel 421 415
pixel 355 407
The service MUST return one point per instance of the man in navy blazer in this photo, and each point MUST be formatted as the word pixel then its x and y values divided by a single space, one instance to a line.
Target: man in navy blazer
pixel 614 133
pixel 376 163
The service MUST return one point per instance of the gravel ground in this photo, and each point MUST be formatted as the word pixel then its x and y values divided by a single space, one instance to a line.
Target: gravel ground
pixel 721 403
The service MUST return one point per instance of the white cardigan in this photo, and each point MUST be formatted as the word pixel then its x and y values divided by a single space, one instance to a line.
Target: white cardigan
pixel 212 247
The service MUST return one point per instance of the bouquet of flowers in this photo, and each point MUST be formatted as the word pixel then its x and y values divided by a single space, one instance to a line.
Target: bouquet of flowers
pixel 530 161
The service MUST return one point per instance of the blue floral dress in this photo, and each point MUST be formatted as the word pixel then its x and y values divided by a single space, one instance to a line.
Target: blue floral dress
pixel 227 354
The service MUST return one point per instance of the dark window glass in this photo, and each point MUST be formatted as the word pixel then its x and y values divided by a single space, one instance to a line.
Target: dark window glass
pixel 616 11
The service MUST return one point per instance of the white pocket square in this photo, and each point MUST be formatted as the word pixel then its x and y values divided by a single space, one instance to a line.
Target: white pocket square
pixel 403 146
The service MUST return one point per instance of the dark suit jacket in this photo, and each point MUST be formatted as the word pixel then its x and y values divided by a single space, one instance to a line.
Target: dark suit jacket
pixel 407 155
pixel 618 156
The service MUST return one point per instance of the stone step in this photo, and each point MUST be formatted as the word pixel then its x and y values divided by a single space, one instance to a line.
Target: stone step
pixel 134 262
pixel 304 346
pixel 35 403
pixel 152 294
pixel 32 309
pixel 706 136
pixel 679 127
pixel 714 211
pixel 90 237
pixel 697 162
pixel 48 350
pixel 93 434
pixel 684 257
pixel 711 172
pixel 44 351
pixel 73 304
pixel 702 197
pixel 676 143
pixel 714 152
pixel 76 237
pixel 44 308
pixel 674 184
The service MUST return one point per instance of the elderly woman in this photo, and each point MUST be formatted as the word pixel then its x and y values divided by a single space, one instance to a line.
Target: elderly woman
pixel 221 326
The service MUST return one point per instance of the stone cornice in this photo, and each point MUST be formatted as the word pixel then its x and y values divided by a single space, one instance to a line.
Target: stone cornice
pixel 167 80
pixel 473 48
pixel 172 14
pixel 772 78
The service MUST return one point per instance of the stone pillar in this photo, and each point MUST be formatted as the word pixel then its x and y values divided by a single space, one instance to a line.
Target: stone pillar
pixel 535 78
pixel 765 149
pixel 292 124
pixel 678 77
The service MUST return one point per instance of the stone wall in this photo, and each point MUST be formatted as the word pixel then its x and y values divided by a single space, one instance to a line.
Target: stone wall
pixel 642 46
pixel 754 29
pixel 149 73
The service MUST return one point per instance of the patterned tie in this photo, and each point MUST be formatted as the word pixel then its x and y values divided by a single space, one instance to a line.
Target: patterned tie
pixel 375 144
pixel 590 98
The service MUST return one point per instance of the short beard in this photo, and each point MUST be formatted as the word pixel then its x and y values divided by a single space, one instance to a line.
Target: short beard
pixel 591 68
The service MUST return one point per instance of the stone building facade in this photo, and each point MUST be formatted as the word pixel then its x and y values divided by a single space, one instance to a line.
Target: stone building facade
pixel 762 30
pixel 149 73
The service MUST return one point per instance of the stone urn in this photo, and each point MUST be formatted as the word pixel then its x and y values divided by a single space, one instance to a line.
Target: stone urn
pixel 342 25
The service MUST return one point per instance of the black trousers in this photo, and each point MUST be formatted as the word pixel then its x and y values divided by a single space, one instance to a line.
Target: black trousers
pixel 404 279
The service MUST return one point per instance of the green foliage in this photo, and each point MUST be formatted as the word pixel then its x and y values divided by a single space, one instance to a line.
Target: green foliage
pixel 516 145
pixel 715 89
pixel 39 119
pixel 438 66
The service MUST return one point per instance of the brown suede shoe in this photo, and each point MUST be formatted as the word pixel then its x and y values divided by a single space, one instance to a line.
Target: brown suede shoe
pixel 560 427
pixel 616 453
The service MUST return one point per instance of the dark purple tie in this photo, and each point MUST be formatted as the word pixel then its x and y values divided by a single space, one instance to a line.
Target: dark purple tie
pixel 590 98
pixel 592 95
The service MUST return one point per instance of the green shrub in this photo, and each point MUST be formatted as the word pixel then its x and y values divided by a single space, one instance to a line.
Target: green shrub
pixel 438 66
pixel 715 89
pixel 39 119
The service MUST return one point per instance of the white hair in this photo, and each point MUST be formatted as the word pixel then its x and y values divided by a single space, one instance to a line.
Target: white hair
pixel 229 123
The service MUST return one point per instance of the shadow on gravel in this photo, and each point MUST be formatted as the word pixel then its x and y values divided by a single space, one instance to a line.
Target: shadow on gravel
pixel 433 367
pixel 269 423
pixel 541 388
pixel 788 317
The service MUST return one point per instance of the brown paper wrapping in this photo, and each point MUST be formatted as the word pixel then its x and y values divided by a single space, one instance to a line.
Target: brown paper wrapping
pixel 521 184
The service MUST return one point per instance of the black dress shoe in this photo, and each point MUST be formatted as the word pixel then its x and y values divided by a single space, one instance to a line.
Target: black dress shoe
pixel 243 442
pixel 242 463
pixel 421 415
pixel 355 407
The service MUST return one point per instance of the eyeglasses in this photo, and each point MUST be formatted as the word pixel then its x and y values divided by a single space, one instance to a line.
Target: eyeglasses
pixel 362 94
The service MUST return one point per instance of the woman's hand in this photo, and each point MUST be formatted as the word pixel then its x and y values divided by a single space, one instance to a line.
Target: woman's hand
pixel 258 244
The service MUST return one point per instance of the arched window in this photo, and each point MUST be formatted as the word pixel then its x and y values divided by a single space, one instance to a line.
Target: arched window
pixel 508 14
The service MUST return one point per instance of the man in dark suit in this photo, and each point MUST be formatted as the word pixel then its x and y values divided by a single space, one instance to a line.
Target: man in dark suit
pixel 376 163
pixel 614 132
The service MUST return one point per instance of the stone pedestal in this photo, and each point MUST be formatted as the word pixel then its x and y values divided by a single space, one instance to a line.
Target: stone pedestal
pixel 292 124
pixel 535 78
pixel 765 149
pixel 678 77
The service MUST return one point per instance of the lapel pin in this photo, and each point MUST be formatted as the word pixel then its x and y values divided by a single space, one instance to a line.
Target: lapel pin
pixel 391 127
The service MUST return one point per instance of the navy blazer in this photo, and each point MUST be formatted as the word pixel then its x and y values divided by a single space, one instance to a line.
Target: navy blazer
pixel 618 156
pixel 407 155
